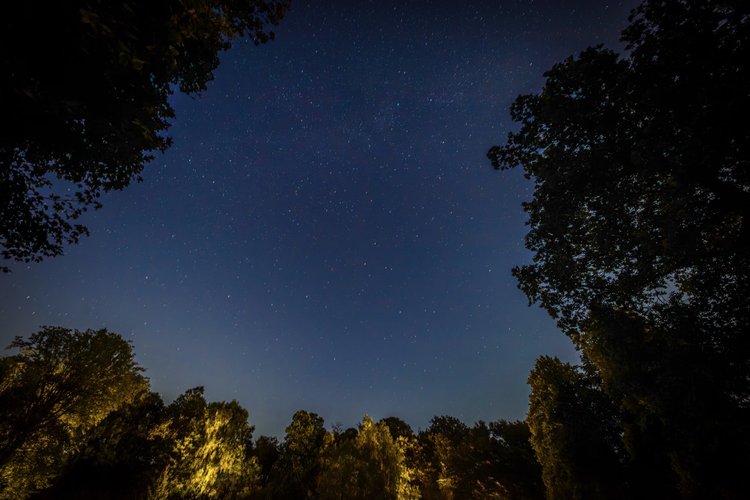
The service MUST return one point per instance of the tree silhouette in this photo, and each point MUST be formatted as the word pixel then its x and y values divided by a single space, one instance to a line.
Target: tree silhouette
pixel 85 100
pixel 266 451
pixel 574 432
pixel 639 230
pixel 397 427
pixel 640 165
pixel 295 473
pixel 496 460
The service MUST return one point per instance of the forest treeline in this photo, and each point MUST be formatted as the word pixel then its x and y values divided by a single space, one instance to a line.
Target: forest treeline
pixel 79 421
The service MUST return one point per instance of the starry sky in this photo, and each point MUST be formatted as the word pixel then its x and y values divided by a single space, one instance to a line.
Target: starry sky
pixel 326 232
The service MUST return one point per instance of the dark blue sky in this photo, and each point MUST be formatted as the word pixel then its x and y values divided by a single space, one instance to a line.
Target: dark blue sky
pixel 326 232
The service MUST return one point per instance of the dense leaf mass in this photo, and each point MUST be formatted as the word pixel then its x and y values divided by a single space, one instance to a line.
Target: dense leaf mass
pixel 84 92
pixel 574 432
pixel 640 165
pixel 639 233
pixel 58 387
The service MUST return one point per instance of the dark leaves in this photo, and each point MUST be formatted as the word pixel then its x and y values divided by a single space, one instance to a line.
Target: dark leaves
pixel 85 101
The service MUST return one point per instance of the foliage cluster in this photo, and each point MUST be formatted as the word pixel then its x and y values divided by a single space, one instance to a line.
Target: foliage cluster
pixel 78 421
pixel 85 93
pixel 639 233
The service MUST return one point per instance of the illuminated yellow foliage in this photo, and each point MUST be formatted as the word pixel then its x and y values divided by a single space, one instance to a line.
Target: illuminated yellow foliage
pixel 59 386
pixel 210 452
pixel 371 466
pixel 407 488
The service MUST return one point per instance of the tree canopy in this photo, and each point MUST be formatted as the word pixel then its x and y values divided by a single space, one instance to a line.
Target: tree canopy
pixel 298 466
pixel 368 466
pixel 77 420
pixel 640 166
pixel 210 455
pixel 58 387
pixel 638 228
pixel 574 432
pixel 85 100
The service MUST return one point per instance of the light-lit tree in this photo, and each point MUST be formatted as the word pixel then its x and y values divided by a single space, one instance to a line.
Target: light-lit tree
pixel 370 466
pixel 58 386
pixel 210 455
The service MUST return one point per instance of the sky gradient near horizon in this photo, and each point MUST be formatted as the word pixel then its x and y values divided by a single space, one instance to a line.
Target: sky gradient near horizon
pixel 326 232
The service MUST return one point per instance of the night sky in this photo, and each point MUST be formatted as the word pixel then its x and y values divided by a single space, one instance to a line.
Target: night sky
pixel 326 232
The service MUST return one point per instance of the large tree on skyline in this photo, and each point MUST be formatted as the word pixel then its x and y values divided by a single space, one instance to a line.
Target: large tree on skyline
pixel 641 169
pixel 639 233
pixel 84 93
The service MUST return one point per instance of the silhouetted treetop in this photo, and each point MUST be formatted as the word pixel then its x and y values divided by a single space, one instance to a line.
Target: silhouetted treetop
pixel 84 92
pixel 641 167
pixel 397 427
